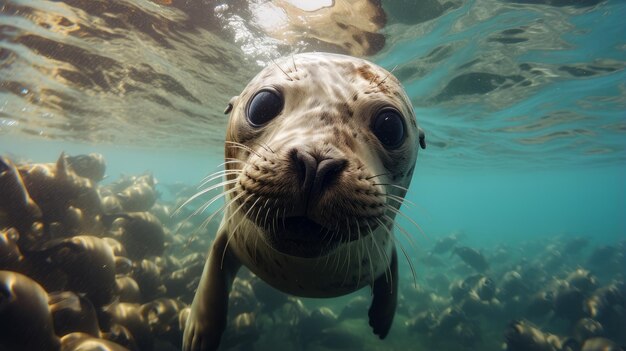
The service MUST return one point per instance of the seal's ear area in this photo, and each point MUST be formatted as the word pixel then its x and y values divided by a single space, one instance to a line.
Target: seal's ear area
pixel 230 105
pixel 422 137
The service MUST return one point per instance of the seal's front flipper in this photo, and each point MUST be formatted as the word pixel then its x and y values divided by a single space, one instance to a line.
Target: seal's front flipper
pixel 207 318
pixel 383 306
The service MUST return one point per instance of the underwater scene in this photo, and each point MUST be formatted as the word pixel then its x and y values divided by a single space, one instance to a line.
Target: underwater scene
pixel 312 175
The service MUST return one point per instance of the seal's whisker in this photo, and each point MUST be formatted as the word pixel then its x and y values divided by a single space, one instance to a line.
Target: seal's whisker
pixel 247 212
pixel 392 185
pixel 359 251
pixel 258 212
pixel 272 217
pixel 325 234
pixel 230 160
pixel 232 233
pixel 272 227
pixel 267 146
pixel 382 254
pixel 334 257
pixel 369 257
pixel 202 191
pixel 327 256
pixel 391 220
pixel 256 237
pixel 206 222
pixel 215 186
pixel 294 63
pixel 401 246
pixel 211 175
pixel 346 263
pixel 400 200
pixel 338 258
pixel 265 225
pixel 404 232
pixel 224 169
pixel 374 176
pixel 210 202
pixel 345 277
pixel 267 213
pixel 332 233
pixel 195 196
pixel 275 219
pixel 205 206
pixel 324 237
pixel 262 146
pixel 408 261
pixel 284 214
pixel 235 145
pixel 218 175
pixel 387 76
pixel 403 201
pixel 250 210
pixel 391 237
pixel 282 70
pixel 241 146
pixel 226 205
pixel 222 208
pixel 336 263
pixel 396 211
pixel 240 205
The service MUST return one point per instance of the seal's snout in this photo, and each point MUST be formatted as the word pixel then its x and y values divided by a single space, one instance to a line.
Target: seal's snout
pixel 315 172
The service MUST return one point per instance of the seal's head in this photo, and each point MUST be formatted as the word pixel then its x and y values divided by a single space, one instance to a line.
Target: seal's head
pixel 320 149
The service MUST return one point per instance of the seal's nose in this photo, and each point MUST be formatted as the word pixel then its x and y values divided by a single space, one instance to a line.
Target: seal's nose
pixel 316 172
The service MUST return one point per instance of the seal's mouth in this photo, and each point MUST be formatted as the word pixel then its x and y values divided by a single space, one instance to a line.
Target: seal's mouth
pixel 302 236
pixel 302 228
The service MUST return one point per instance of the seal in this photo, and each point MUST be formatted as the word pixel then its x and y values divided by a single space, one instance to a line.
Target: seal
pixel 320 150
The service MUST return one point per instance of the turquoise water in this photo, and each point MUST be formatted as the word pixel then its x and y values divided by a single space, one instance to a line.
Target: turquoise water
pixel 523 104
pixel 492 203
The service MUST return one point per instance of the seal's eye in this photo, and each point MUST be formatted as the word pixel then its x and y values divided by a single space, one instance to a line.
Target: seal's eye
pixel 264 106
pixel 389 128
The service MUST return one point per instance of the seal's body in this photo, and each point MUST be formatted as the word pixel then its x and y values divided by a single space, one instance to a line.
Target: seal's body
pixel 320 150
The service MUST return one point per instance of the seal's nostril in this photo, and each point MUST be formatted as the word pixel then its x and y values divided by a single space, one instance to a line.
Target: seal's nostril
pixel 315 175
pixel 306 166
pixel 328 171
